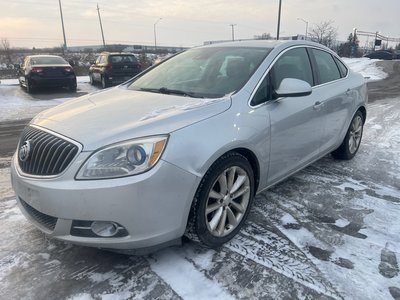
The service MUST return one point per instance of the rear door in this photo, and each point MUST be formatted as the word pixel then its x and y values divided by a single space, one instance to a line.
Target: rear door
pixel 96 71
pixel 336 95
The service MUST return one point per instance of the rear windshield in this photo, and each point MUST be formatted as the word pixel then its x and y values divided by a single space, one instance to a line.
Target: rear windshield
pixel 115 59
pixel 203 72
pixel 48 60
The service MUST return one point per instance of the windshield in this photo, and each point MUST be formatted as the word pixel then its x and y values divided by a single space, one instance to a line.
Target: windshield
pixel 48 60
pixel 203 72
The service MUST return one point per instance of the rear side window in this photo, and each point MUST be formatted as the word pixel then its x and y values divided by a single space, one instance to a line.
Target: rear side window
pixel 342 68
pixel 327 68
pixel 103 59
pixel 292 64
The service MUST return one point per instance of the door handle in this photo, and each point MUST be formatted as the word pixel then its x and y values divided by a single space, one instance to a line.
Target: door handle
pixel 318 105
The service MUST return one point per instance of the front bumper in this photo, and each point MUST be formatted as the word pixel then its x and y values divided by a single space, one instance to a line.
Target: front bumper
pixel 153 207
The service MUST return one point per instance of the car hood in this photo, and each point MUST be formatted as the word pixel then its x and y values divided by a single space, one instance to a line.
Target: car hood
pixel 118 114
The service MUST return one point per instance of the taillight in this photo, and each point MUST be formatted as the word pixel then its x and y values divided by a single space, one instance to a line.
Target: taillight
pixel 68 69
pixel 108 67
pixel 37 70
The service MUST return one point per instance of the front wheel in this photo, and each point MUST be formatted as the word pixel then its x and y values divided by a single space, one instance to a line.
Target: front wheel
pixel 349 147
pixel 222 201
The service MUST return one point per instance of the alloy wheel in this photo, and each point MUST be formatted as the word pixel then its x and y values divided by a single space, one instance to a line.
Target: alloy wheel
pixel 355 134
pixel 227 201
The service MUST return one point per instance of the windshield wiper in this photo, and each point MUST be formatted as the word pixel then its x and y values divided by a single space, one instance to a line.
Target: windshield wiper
pixel 168 91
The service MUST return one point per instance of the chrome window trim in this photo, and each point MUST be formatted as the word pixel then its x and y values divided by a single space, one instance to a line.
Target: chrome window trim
pixel 22 173
pixel 273 63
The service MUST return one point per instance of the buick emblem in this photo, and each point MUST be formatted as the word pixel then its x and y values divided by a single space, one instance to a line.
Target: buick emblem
pixel 24 151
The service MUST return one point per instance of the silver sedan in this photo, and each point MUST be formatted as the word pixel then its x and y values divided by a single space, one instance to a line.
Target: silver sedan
pixel 183 148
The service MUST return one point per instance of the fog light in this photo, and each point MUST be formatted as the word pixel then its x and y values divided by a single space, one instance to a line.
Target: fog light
pixel 104 229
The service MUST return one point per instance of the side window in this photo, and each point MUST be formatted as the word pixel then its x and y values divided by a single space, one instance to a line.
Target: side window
pixel 342 67
pixel 103 59
pixel 327 68
pixel 263 92
pixel 294 63
pixel 98 60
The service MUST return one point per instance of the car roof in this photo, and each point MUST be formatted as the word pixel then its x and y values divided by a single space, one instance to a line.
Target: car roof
pixel 267 44
pixel 44 55
pixel 116 53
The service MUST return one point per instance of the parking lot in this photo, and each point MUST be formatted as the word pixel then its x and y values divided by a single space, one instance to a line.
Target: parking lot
pixel 329 232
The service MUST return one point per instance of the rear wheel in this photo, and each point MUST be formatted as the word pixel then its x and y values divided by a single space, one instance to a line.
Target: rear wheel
pixel 28 85
pixel 222 201
pixel 91 79
pixel 349 147
pixel 104 82
pixel 72 88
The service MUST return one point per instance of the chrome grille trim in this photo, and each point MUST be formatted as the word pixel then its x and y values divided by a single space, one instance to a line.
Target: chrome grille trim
pixel 51 153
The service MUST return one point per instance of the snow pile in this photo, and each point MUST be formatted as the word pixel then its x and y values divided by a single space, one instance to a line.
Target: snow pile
pixel 366 67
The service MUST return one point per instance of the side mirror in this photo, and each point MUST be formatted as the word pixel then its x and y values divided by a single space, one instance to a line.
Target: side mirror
pixel 291 87
pixel 17 66
pixel 92 62
pixel 72 63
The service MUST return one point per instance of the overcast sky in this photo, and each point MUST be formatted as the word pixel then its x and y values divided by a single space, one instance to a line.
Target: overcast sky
pixel 36 23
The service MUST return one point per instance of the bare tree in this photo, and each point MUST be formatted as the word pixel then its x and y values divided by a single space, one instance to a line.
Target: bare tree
pixel 264 36
pixel 5 46
pixel 324 33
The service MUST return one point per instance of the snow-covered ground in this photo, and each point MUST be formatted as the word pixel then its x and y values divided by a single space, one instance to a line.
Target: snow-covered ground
pixel 367 67
pixel 330 231
pixel 16 104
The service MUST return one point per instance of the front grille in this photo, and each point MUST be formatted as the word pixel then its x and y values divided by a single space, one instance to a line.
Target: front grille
pixel 47 154
pixel 45 220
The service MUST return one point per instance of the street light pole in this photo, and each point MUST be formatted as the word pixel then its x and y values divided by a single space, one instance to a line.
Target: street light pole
pixel 279 19
pixel 155 35
pixel 301 19
pixel 233 31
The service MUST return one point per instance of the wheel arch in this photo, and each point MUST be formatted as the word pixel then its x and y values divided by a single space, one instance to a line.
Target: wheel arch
pixel 363 110
pixel 255 165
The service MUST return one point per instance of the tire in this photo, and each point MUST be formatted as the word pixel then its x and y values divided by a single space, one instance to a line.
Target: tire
pixel 104 83
pixel 228 207
pixel 91 79
pixel 72 88
pixel 349 147
pixel 29 88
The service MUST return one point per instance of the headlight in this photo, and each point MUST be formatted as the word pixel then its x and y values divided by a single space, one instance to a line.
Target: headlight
pixel 123 159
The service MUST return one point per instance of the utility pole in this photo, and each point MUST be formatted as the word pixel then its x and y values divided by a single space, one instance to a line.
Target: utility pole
pixel 233 31
pixel 101 27
pixel 62 24
pixel 376 38
pixel 279 19
pixel 155 35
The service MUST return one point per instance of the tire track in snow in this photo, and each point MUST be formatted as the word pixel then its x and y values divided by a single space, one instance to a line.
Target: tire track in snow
pixel 272 251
